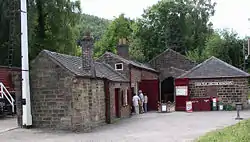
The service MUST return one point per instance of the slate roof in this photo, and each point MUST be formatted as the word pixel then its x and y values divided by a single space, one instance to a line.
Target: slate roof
pixel 175 72
pixel 214 68
pixel 131 62
pixel 74 65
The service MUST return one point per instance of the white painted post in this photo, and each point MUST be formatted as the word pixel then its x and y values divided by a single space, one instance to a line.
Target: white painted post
pixel 27 117
pixel 1 93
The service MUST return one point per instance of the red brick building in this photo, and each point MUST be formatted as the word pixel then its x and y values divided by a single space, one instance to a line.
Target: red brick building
pixel 141 76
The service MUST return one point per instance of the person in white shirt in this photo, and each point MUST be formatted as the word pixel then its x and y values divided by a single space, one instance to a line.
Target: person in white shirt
pixel 145 102
pixel 142 100
pixel 136 100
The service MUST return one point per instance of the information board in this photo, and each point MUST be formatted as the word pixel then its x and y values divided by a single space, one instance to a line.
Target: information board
pixel 181 90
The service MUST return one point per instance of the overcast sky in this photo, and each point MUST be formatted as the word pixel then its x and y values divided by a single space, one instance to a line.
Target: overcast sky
pixel 232 14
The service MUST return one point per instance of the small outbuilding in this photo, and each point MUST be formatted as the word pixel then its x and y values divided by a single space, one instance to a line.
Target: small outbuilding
pixel 212 78
pixel 76 93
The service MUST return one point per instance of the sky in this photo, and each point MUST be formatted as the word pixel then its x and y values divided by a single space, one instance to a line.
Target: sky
pixel 230 14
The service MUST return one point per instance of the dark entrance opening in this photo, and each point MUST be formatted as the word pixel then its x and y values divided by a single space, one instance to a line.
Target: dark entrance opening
pixel 167 89
pixel 117 102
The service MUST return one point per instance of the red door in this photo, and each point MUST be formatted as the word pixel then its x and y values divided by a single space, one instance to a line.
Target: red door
pixel 180 100
pixel 117 102
pixel 151 87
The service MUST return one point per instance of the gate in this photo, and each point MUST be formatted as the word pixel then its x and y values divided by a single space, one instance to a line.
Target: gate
pixel 181 94
pixel 151 88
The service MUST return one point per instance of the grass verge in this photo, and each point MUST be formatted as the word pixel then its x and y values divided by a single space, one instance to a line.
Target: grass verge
pixel 239 132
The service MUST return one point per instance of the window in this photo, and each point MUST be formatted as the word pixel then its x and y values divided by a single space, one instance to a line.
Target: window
pixel 119 66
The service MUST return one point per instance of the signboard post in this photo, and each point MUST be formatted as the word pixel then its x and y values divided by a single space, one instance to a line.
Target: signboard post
pixel 189 107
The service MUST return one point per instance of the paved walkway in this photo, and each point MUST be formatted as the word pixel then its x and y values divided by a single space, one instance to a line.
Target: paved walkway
pixel 7 124
pixel 163 127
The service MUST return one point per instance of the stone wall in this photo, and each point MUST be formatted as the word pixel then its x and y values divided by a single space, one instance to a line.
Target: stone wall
pixel 228 94
pixel 61 101
pixel 88 104
pixel 124 108
pixel 50 94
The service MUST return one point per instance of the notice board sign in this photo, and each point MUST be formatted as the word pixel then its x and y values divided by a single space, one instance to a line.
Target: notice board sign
pixel 181 90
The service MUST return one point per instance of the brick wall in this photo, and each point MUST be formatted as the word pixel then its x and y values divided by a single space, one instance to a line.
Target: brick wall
pixel 170 59
pixel 146 75
pixel 228 94
pixel 136 76
pixel 50 94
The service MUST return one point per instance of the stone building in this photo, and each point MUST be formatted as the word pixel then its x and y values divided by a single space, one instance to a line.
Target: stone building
pixel 213 78
pixel 141 76
pixel 170 64
pixel 76 93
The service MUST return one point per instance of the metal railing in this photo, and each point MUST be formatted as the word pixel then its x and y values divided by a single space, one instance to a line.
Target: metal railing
pixel 4 93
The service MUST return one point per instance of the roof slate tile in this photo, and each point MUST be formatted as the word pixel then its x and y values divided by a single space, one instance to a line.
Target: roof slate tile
pixel 74 64
pixel 214 68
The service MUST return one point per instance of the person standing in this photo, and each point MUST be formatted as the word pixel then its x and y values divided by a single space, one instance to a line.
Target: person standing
pixel 145 102
pixel 142 100
pixel 136 100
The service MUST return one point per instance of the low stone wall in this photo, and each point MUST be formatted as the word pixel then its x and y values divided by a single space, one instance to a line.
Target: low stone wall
pixel 227 94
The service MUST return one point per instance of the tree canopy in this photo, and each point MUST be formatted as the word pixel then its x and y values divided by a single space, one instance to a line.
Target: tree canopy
pixel 182 25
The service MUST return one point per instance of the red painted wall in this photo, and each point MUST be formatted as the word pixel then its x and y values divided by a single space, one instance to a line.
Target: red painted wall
pixel 6 78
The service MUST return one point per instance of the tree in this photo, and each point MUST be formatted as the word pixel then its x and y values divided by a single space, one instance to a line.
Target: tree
pixel 179 24
pixel 51 25
pixel 119 28
pixel 224 45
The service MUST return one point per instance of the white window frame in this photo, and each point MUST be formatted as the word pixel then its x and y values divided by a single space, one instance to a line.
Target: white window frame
pixel 119 64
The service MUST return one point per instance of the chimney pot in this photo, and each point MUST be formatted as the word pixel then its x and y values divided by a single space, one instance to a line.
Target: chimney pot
pixel 122 48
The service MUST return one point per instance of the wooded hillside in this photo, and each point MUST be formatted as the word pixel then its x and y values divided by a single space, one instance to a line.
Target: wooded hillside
pixel 183 25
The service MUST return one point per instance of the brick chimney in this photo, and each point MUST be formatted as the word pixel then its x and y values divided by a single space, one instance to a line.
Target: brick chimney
pixel 122 48
pixel 87 45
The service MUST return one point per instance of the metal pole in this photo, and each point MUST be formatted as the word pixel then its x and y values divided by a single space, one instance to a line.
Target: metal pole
pixel 27 117
pixel 244 60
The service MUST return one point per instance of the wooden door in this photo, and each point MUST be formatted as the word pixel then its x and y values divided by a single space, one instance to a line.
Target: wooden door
pixel 180 100
pixel 151 87
pixel 117 102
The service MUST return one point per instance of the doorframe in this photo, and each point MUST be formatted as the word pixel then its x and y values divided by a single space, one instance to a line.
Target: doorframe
pixel 118 102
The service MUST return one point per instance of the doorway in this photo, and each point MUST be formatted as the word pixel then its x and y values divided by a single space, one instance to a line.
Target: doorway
pixel 167 90
pixel 117 102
